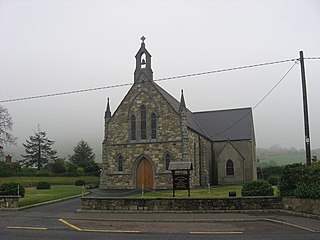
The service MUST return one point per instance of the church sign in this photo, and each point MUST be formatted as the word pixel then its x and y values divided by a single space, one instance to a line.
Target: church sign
pixel 180 176
pixel 181 182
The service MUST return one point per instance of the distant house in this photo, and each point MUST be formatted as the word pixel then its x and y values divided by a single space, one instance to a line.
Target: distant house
pixel 150 129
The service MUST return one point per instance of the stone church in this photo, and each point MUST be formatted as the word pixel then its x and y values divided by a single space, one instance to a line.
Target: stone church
pixel 150 129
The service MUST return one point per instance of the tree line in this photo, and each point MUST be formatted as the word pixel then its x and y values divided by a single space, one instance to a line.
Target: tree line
pixel 39 152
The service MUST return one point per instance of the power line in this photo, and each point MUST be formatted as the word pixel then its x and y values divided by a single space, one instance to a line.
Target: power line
pixel 157 80
pixel 271 90
pixel 312 58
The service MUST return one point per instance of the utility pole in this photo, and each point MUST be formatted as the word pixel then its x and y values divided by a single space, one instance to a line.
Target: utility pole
pixel 305 110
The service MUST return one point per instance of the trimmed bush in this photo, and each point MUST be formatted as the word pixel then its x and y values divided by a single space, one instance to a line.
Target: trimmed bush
pixel 12 189
pixel 43 185
pixel 257 188
pixel 80 182
pixel 304 190
pixel 273 180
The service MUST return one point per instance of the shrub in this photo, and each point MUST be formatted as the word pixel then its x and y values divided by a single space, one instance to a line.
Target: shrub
pixel 257 188
pixel 273 180
pixel 12 189
pixel 5 170
pixel 80 182
pixel 304 190
pixel 43 185
pixel 266 172
pixel 292 174
pixel 80 170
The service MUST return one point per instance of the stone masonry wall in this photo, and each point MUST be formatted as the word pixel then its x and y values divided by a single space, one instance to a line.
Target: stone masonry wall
pixel 245 170
pixel 117 139
pixel 180 204
pixel 9 201
pixel 311 206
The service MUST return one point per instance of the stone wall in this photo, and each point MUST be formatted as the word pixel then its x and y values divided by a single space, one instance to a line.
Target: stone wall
pixel 9 201
pixel 180 204
pixel 311 206
pixel 117 139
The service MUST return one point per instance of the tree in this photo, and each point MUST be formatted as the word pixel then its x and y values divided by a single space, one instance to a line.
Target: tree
pixel 57 166
pixel 5 128
pixel 38 150
pixel 83 157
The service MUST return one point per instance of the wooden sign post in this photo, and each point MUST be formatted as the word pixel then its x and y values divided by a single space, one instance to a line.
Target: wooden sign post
pixel 180 176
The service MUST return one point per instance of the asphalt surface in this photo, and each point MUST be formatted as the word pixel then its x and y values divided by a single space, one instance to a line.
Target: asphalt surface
pixel 61 220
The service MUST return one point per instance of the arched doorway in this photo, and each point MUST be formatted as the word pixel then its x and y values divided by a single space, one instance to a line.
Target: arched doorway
pixel 144 174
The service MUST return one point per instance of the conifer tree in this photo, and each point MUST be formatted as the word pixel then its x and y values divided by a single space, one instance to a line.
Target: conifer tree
pixel 83 157
pixel 38 150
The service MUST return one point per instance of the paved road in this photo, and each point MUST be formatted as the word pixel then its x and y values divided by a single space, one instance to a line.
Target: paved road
pixel 61 221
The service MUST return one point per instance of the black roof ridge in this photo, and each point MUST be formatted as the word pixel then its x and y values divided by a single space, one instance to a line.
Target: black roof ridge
pixel 223 110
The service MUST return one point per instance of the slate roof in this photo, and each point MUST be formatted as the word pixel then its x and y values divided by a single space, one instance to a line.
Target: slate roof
pixel 233 124
pixel 220 125
pixel 192 123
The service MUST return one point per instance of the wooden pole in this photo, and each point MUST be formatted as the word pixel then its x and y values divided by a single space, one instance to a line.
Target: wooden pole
pixel 305 110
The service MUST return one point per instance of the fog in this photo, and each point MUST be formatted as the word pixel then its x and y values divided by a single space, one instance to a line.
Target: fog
pixel 52 46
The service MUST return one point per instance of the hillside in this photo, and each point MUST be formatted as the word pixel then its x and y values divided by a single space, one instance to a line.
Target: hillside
pixel 277 156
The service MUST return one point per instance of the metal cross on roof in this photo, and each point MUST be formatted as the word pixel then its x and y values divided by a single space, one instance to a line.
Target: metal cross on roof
pixel 143 38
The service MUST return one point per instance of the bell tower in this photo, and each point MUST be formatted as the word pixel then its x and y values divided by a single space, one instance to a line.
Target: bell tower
pixel 143 72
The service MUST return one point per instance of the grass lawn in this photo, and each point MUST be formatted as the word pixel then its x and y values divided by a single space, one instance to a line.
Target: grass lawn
pixel 32 181
pixel 33 196
pixel 215 191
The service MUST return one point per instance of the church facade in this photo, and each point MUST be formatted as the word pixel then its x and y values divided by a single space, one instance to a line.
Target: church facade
pixel 150 129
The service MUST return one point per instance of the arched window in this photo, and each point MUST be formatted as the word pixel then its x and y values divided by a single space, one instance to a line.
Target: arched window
pixel 167 159
pixel 229 168
pixel 143 122
pixel 153 126
pixel 120 163
pixel 133 127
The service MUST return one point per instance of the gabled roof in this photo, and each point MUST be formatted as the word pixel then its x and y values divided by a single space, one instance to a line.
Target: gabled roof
pixel 221 125
pixel 232 124
pixel 191 121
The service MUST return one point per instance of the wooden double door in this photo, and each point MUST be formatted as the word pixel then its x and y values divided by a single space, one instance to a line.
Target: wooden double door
pixel 144 174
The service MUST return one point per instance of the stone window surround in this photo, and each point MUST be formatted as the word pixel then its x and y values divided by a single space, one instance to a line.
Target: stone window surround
pixel 148 126
pixel 133 127
pixel 119 162
pixel 165 165
pixel 229 168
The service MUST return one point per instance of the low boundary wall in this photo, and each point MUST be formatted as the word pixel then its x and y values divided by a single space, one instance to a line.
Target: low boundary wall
pixel 9 202
pixel 180 204
pixel 311 206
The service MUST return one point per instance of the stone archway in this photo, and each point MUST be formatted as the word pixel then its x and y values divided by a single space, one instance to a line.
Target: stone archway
pixel 144 174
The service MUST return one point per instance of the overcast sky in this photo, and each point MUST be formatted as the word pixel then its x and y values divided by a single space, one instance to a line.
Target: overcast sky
pixel 49 46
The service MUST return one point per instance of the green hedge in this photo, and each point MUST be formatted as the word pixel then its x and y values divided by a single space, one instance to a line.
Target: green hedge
pixel 12 188
pixel 311 190
pixel 80 182
pixel 302 176
pixel 273 180
pixel 43 185
pixel 257 188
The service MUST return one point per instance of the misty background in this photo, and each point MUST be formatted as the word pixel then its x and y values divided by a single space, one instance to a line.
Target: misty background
pixel 51 46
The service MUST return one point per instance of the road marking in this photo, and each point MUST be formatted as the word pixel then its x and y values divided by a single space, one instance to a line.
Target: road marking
pixel 289 224
pixel 216 233
pixel 29 228
pixel 109 231
pixel 96 230
pixel 70 225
